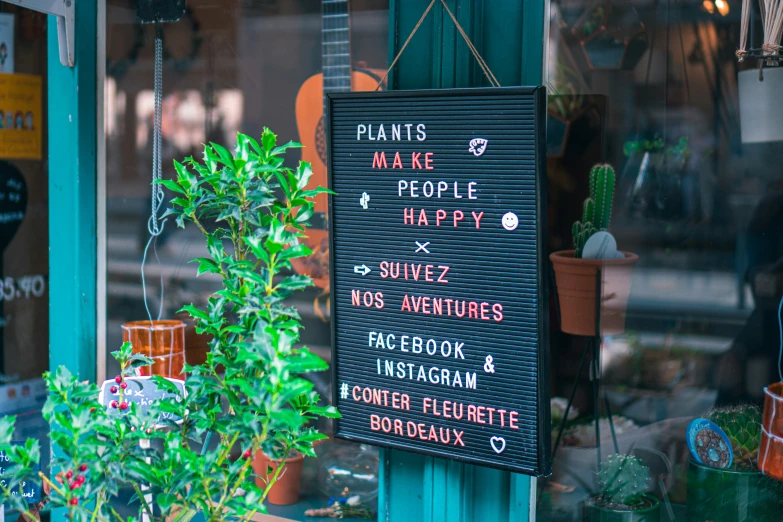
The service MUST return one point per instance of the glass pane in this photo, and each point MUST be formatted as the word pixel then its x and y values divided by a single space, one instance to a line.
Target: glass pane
pixel 690 326
pixel 24 223
pixel 231 67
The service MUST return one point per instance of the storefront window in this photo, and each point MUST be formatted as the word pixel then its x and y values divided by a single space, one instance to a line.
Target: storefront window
pixel 24 220
pixel 227 68
pixel 651 88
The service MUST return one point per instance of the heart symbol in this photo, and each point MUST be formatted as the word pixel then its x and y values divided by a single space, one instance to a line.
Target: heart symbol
pixel 498 444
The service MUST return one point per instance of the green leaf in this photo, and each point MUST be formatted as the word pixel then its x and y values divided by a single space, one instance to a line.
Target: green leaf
pixel 206 266
pixel 171 185
pixel 224 155
pixel 330 412
pixel 306 361
pixel 195 312
pixel 303 174
pixel 282 148
pixel 268 140
pixel 300 250
pixel 295 282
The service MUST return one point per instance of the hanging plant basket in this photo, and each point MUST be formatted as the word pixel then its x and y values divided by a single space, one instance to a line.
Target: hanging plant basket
pixel 161 340
pixel 771 447
pixel 611 37
pixel 759 100
pixel 759 90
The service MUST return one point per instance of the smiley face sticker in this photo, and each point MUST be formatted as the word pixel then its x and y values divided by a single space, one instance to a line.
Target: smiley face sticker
pixel 510 221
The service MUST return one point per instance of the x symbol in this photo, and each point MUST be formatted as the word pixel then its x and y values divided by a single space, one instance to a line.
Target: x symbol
pixel 422 246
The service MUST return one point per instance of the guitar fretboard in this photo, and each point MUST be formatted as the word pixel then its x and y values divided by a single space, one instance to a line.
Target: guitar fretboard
pixel 336 46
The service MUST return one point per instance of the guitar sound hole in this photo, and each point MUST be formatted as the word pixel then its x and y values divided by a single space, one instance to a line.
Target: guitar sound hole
pixel 320 140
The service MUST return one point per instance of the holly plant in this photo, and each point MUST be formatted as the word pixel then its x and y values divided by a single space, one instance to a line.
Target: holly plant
pixel 98 450
pixel 249 396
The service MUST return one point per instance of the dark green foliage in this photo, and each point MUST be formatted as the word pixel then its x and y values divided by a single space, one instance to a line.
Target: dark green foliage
pixel 249 395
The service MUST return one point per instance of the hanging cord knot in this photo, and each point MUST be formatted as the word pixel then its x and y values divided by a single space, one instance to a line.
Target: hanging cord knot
pixel 154 225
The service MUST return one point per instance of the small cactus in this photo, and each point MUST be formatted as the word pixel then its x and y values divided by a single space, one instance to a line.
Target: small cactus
pixel 623 479
pixel 597 209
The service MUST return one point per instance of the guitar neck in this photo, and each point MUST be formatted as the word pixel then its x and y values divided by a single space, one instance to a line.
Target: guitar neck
pixel 336 46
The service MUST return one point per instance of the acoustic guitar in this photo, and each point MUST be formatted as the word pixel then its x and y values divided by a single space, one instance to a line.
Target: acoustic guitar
pixel 337 75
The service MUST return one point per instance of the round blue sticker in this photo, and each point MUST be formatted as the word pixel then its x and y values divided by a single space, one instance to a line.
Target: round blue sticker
pixel 708 444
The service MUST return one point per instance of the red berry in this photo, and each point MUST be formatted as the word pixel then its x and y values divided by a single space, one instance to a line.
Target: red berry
pixel 124 385
pixel 113 389
pixel 74 501
pixel 113 404
pixel 248 454
pixel 69 474
pixel 80 479
pixel 123 405
pixel 83 468
pixel 118 379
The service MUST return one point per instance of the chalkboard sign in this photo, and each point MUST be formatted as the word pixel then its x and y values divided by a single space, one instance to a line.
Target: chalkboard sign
pixel 142 391
pixel 31 489
pixel 439 305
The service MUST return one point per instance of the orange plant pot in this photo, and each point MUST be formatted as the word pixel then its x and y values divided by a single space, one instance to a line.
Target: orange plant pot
pixel 771 448
pixel 286 490
pixel 576 289
pixel 163 341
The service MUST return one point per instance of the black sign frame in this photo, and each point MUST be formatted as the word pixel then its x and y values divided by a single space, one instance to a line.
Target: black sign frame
pixel 543 427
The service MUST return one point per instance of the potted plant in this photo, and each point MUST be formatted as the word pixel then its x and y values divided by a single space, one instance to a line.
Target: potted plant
pixel 652 179
pixel 248 397
pixel 759 87
pixel 622 495
pixel 611 36
pixel 740 492
pixel 576 277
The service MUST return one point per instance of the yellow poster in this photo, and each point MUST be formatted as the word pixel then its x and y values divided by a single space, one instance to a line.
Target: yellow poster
pixel 20 116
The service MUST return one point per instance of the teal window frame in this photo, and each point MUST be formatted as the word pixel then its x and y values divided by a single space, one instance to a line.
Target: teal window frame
pixel 73 98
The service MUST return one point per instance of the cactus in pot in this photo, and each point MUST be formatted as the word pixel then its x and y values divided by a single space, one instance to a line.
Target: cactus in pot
pixel 577 278
pixel 597 209
pixel 742 425
pixel 623 485
pixel 740 492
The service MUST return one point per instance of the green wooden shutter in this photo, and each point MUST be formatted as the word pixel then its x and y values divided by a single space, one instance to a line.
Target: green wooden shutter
pixel 509 34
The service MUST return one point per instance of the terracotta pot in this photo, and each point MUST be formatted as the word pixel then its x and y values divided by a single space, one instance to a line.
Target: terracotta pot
pixel 286 490
pixel 196 345
pixel 771 448
pixel 576 291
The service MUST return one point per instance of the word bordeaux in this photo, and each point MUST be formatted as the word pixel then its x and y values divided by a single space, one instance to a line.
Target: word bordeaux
pixel 438 308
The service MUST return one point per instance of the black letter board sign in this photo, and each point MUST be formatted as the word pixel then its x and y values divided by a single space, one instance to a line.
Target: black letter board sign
pixel 439 306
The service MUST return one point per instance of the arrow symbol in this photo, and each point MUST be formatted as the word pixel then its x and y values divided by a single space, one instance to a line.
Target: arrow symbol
pixel 361 269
